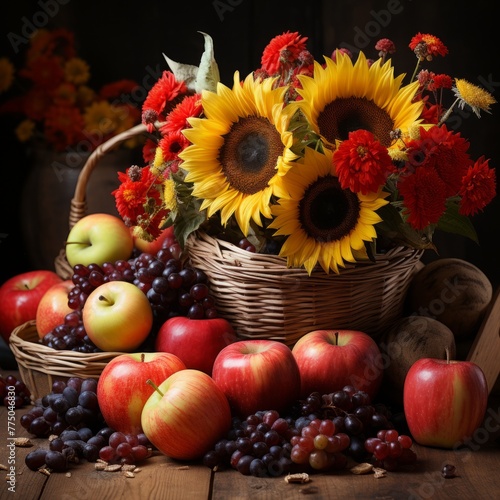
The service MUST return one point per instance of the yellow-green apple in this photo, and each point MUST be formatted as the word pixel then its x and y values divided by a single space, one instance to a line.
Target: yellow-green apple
pixel 196 341
pixel 258 374
pixel 20 296
pixel 165 239
pixel 117 316
pixel 328 360
pixel 98 238
pixel 53 307
pixel 130 372
pixel 186 415
pixel 444 401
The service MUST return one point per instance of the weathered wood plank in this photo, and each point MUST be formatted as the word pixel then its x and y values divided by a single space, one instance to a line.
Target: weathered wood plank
pixel 485 351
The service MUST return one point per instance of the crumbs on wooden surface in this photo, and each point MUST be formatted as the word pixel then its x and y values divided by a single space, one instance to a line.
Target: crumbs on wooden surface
pixel 300 477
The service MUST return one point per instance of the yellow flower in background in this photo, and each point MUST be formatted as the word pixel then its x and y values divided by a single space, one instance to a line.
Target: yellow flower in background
pixel 24 131
pixel 103 117
pixel 77 71
pixel 344 96
pixel 85 96
pixel 6 74
pixel 323 223
pixel 169 195
pixel 240 151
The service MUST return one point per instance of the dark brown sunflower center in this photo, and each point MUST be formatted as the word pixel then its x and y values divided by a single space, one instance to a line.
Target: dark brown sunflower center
pixel 345 115
pixel 328 212
pixel 250 153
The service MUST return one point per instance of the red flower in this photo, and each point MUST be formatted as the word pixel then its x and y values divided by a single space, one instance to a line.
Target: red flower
pixel 385 46
pixel 427 46
pixel 136 194
pixel 47 72
pixel 445 152
pixel 177 119
pixel 163 96
pixel 478 187
pixel 116 90
pixel 440 81
pixel 282 49
pixel 424 197
pixel 149 151
pixel 172 144
pixel 362 163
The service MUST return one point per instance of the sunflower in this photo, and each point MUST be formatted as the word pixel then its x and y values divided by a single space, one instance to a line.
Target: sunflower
pixel 323 223
pixel 343 97
pixel 240 150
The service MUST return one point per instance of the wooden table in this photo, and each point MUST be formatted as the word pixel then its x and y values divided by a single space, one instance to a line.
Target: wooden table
pixel 478 469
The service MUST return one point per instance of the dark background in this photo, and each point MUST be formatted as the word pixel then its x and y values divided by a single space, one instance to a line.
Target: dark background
pixel 121 41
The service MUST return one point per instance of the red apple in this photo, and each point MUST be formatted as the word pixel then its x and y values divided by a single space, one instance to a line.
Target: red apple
pixel 130 372
pixel 444 401
pixel 186 415
pixel 53 307
pixel 196 341
pixel 328 360
pixel 165 239
pixel 257 375
pixel 117 316
pixel 20 296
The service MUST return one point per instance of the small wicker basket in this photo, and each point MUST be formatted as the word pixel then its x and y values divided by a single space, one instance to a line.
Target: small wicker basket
pixel 262 298
pixel 78 208
pixel 39 365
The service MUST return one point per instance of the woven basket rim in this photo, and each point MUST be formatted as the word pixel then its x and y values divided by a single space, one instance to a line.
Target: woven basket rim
pixel 33 355
pixel 235 258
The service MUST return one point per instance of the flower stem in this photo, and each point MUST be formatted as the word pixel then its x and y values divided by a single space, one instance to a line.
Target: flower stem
pixel 448 113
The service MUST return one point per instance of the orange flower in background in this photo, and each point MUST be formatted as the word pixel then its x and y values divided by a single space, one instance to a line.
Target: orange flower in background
pixel 55 95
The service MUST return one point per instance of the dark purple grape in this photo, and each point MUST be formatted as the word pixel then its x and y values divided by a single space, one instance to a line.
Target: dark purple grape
pixel 39 427
pixel 196 311
pixel 160 284
pixel 88 400
pixel 35 459
pixel 199 291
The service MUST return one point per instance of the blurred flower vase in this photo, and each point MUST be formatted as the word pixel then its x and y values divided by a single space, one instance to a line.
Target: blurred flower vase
pixel 61 119
pixel 48 191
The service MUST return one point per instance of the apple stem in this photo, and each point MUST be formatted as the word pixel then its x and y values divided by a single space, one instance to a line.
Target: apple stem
pixel 447 352
pixel 336 338
pixel 142 357
pixel 102 297
pixel 154 386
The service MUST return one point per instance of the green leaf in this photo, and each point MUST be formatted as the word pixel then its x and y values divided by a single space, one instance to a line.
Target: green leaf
pixel 454 222
pixel 208 73
pixel 206 76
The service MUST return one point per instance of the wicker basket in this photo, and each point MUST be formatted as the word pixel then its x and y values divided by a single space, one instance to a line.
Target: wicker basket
pixel 39 365
pixel 78 208
pixel 262 298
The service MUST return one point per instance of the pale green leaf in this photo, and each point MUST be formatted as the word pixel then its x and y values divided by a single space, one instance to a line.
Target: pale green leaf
pixel 208 73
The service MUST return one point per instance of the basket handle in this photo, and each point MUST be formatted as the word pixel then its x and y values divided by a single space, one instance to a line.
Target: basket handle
pixel 78 207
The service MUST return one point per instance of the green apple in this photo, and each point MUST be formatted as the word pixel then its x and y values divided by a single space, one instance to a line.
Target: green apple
pixel 98 238
pixel 117 316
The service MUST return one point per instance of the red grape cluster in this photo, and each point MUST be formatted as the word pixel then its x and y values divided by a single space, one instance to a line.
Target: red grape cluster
pixel 70 415
pixel 13 392
pixel 320 433
pixel 172 286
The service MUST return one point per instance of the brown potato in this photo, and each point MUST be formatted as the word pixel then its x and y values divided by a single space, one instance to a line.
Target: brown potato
pixel 453 291
pixel 410 339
